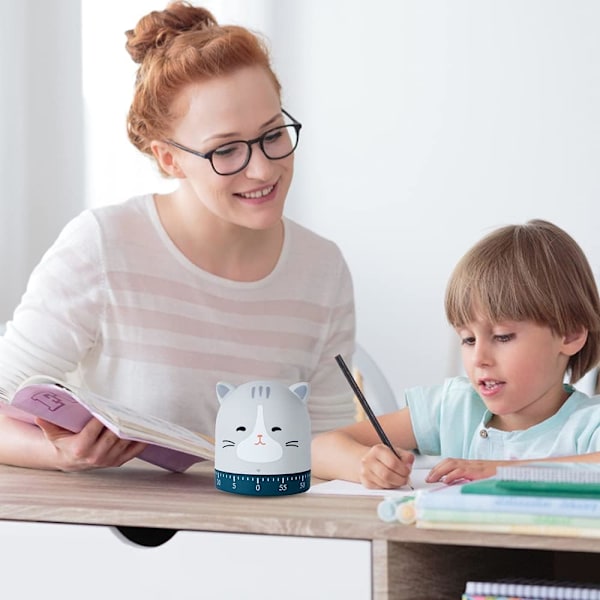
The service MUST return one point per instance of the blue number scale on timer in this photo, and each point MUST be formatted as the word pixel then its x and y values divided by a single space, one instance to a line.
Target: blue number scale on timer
pixel 262 439
pixel 262 485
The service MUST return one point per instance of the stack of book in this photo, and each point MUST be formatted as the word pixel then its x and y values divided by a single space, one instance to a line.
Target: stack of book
pixel 529 589
pixel 544 498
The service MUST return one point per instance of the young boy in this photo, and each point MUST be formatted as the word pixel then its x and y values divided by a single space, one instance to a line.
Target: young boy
pixel 525 306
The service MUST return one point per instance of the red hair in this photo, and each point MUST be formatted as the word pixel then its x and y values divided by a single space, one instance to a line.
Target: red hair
pixel 176 47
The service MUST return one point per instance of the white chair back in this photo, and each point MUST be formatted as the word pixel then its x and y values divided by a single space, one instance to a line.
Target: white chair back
pixel 373 382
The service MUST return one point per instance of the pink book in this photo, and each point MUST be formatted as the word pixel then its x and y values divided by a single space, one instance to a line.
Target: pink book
pixel 169 445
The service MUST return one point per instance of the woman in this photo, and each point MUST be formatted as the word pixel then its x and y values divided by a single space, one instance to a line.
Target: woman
pixel 153 301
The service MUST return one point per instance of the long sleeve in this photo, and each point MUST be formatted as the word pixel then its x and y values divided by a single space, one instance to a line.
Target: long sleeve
pixel 57 320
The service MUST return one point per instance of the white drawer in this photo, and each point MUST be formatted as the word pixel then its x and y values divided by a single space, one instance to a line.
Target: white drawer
pixel 68 562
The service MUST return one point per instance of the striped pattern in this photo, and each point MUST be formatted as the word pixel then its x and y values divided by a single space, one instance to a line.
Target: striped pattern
pixel 115 300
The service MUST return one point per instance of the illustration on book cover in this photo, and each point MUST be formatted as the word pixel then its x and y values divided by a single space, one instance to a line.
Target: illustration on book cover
pixel 51 400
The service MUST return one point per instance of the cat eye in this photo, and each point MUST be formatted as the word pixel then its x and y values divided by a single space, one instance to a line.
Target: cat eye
pixel 241 428
pixel 275 428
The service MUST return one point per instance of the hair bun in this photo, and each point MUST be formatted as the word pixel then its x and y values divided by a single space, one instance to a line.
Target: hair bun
pixel 158 28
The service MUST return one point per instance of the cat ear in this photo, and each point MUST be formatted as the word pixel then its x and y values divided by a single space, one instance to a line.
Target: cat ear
pixel 301 390
pixel 223 389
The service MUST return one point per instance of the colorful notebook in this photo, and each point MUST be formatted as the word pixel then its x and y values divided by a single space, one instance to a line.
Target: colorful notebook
pixel 533 589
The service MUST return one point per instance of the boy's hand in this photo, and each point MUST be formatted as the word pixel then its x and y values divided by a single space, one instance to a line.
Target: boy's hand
pixel 381 469
pixel 451 470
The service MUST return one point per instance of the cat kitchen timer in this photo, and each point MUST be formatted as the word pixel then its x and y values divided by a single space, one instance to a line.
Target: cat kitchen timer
pixel 262 439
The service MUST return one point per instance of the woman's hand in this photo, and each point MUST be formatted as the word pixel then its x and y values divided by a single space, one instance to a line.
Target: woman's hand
pixel 451 470
pixel 380 468
pixel 93 447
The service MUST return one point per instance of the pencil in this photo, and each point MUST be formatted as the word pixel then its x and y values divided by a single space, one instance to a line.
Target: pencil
pixel 367 408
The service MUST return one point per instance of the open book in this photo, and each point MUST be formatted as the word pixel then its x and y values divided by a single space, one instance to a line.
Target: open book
pixel 169 446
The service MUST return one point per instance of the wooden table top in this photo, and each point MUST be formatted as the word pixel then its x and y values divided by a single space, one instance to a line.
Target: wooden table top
pixel 140 495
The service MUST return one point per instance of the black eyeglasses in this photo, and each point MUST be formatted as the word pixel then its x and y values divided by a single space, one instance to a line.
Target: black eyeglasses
pixel 233 157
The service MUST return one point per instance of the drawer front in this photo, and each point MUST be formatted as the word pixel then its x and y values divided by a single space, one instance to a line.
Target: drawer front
pixel 96 562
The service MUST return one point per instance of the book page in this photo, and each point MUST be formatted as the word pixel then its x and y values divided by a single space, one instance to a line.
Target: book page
pixel 128 423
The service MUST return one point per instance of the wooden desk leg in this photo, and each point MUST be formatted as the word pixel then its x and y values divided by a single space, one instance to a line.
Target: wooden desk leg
pixel 380 572
pixel 410 571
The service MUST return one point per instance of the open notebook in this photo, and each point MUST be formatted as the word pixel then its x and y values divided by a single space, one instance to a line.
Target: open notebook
pixel 349 488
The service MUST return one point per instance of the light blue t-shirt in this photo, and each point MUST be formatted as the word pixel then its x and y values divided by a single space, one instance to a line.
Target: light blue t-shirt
pixel 449 420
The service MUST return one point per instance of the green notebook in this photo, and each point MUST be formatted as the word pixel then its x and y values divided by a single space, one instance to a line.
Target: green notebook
pixel 532 488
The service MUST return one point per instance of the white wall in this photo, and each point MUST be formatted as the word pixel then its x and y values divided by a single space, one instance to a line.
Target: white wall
pixel 426 125
pixel 41 133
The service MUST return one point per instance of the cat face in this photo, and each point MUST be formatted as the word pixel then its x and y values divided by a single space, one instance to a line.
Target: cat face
pixel 262 427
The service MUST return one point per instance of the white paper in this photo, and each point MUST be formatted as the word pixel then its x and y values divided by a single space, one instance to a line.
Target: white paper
pixel 349 488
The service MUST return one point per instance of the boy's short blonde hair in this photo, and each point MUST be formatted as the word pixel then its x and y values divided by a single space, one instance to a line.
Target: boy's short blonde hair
pixel 532 272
